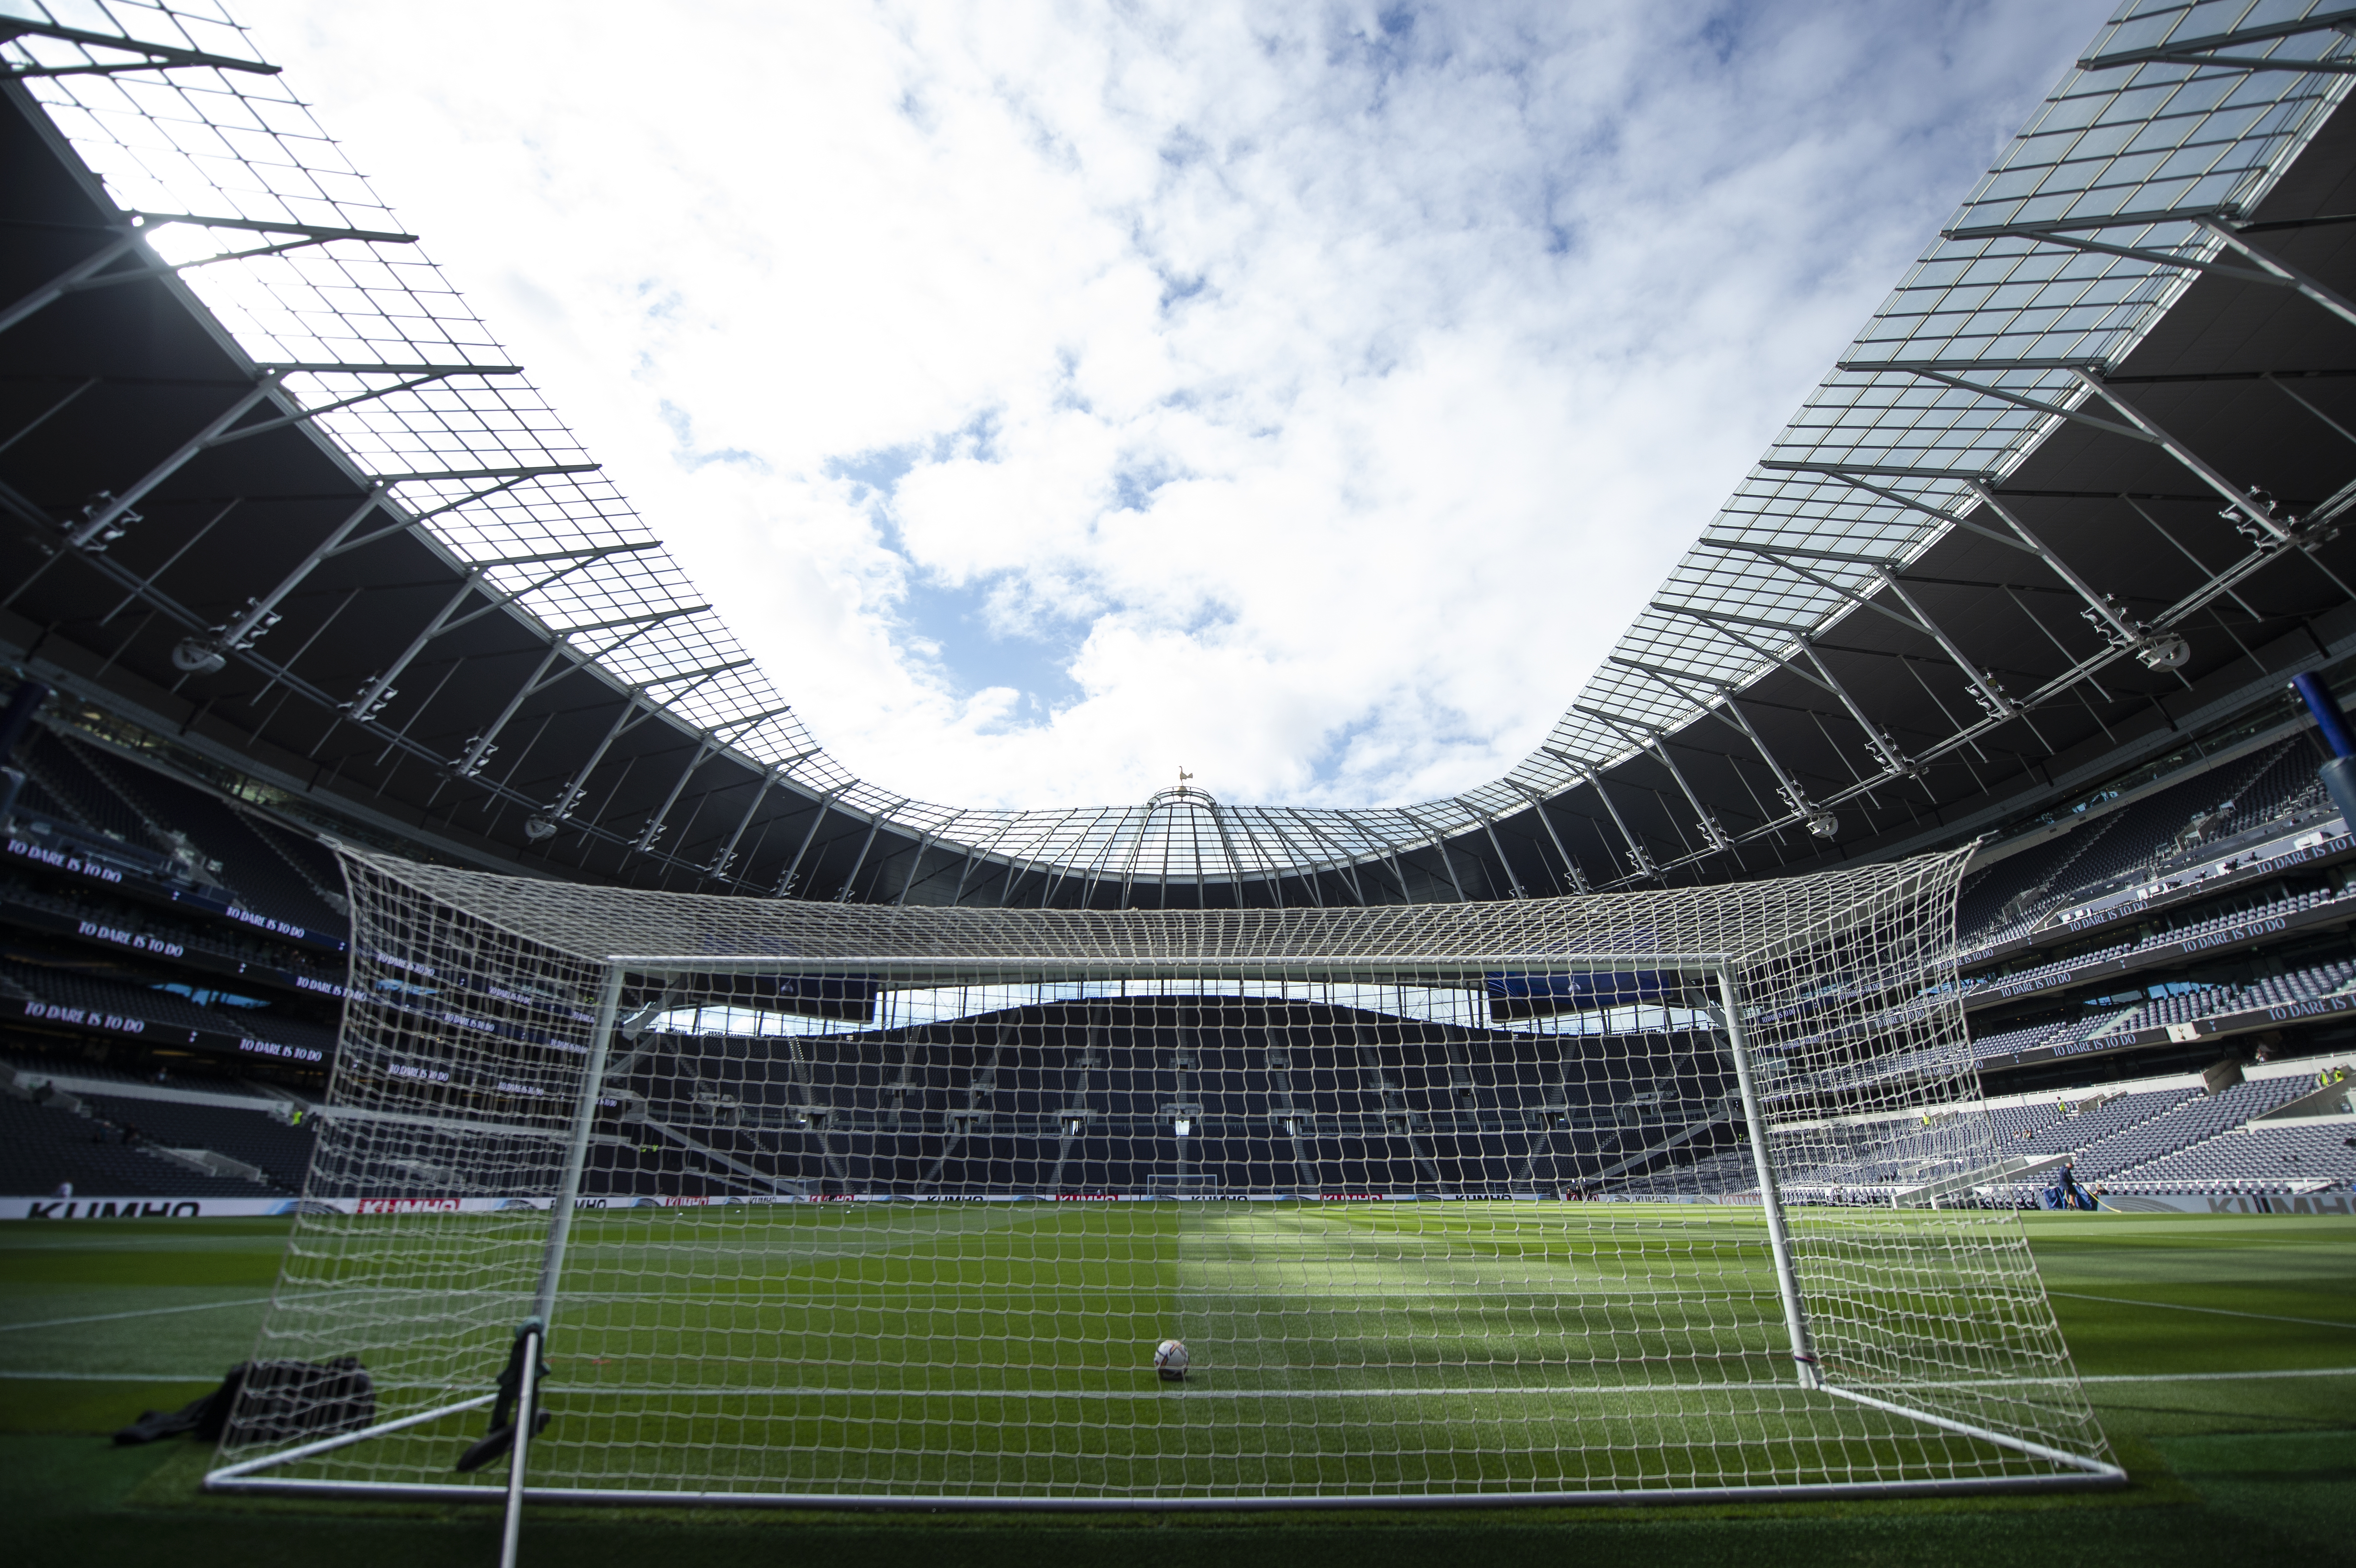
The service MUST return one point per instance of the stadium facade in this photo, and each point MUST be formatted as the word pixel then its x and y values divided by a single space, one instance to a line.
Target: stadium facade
pixel 296 552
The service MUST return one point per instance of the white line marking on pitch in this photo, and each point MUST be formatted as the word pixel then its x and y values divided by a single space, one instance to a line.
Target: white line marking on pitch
pixel 2219 1377
pixel 1198 1392
pixel 2215 1311
pixel 142 1312
pixel 113 1377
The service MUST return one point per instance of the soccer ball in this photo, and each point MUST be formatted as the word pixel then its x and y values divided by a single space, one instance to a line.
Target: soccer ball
pixel 1170 1360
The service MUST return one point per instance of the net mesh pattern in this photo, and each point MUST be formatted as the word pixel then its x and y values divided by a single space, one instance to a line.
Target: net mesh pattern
pixel 1442 1200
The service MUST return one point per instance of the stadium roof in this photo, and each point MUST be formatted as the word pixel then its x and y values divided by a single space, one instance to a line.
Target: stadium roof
pixel 2071 491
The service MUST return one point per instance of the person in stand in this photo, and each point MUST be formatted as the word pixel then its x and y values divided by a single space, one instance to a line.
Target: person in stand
pixel 65 1189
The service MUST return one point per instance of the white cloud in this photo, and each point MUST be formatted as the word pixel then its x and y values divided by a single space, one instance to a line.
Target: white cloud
pixel 1304 398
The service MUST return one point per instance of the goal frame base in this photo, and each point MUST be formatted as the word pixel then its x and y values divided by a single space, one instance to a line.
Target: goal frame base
pixel 2109 1478
pixel 246 1480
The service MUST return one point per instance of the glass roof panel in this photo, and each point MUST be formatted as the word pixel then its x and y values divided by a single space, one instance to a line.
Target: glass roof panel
pixel 2156 141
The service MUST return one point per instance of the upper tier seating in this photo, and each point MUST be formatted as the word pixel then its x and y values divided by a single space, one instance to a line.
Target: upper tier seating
pixel 2174 825
pixel 42 1146
pixel 2271 1157
pixel 266 869
pixel 258 1139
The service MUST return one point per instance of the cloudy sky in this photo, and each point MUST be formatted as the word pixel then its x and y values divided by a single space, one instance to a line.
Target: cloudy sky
pixel 1056 395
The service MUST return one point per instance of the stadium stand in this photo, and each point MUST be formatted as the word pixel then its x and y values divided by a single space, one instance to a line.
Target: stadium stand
pixel 2178 889
pixel 2155 1136
pixel 2144 840
pixel 119 920
pixel 61 988
pixel 2192 1120
pixel 216 843
pixel 57 1140
pixel 69 789
pixel 2282 1157
pixel 946 1126
pixel 2010 1041
pixel 282 1152
pixel 1461 1129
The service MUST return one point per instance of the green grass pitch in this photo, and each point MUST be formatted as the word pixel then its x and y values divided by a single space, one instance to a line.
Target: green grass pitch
pixel 1000 1350
pixel 2220 1351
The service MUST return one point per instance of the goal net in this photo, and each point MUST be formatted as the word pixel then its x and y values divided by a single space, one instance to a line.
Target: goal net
pixel 1663 1194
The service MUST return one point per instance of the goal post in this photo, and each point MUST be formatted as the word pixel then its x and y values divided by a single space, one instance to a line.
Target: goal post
pixel 1550 1201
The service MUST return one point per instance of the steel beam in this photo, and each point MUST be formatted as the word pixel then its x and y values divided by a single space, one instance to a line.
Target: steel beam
pixel 1732 711
pixel 825 803
pixel 1065 869
pixel 90 274
pixel 479 747
pixel 1979 390
pixel 2279 385
pixel 2176 51
pixel 140 589
pixel 371 698
pixel 158 268
pixel 1346 862
pixel 154 221
pixel 2236 497
pixel 2323 66
pixel 2099 606
pixel 917 864
pixel 1883 470
pixel 1593 777
pixel 2036 228
pixel 201 654
pixel 1894 761
pixel 2216 585
pixel 1303 866
pixel 529 471
pixel 2280 272
pixel 56 288
pixel 159 56
pixel 580 555
pixel 2072 241
pixel 965 869
pixel 1440 843
pixel 707 746
pixel 628 718
pixel 306 415
pixel 380 367
pixel 874 826
pixel 726 855
pixel 1015 868
pixel 1649 739
pixel 1984 686
pixel 1577 878
pixel 37 421
pixel 94 527
pixel 410 521
pixel 1512 881
pixel 1227 850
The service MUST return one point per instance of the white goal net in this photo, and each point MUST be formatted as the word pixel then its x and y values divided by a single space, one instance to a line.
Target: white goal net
pixel 841 1204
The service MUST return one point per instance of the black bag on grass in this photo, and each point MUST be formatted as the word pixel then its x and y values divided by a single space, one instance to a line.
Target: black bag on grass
pixel 283 1399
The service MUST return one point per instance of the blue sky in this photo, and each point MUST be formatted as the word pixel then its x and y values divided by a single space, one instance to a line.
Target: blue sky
pixel 1054 395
